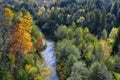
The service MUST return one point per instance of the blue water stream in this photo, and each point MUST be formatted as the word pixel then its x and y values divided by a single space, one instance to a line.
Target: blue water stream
pixel 50 59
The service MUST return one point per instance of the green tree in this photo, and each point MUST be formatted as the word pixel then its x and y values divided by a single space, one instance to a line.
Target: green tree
pixel 117 65
pixel 98 71
pixel 61 32
pixel 79 71
pixel 67 53
pixel 104 34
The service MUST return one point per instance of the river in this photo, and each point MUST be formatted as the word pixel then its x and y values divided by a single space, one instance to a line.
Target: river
pixel 50 59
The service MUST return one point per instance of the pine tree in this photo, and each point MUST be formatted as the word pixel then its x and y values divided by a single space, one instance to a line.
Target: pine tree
pixel 98 71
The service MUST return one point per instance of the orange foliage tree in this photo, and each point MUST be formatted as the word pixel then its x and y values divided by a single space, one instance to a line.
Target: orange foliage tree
pixel 21 37
pixel 39 43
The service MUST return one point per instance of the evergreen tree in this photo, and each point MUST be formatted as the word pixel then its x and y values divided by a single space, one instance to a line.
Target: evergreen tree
pixel 117 65
pixel 79 71
pixel 98 71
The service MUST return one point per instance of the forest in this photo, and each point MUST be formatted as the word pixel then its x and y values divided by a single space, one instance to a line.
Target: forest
pixel 59 39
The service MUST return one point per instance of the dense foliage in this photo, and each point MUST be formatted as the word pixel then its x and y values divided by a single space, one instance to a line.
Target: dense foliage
pixel 86 35
pixel 20 47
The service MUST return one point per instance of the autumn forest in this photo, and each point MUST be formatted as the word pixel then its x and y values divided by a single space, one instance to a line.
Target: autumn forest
pixel 59 39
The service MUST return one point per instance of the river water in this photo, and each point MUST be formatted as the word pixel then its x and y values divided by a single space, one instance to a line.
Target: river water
pixel 50 59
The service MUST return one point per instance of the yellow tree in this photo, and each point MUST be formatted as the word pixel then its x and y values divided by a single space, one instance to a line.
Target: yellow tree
pixel 21 37
pixel 105 49
pixel 9 14
pixel 113 34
